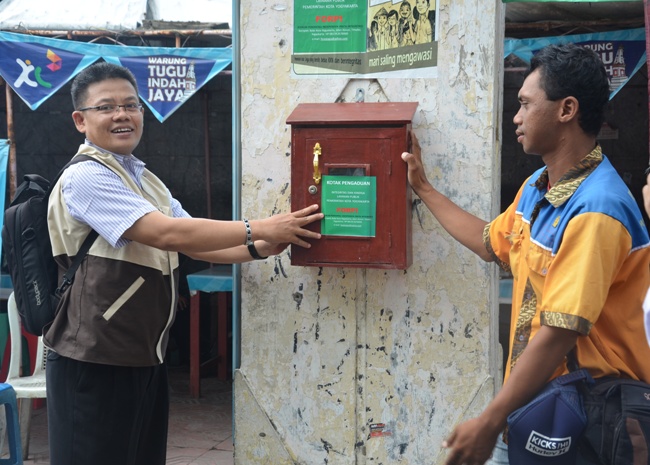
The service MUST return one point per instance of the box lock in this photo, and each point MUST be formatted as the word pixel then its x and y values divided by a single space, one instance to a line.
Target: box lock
pixel 317 153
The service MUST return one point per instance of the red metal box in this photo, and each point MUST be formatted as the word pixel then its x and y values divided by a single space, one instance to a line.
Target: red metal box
pixel 346 157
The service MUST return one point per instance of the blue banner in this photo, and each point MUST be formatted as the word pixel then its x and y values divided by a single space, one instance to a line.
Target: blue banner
pixel 36 67
pixel 167 77
pixel 4 159
pixel 622 52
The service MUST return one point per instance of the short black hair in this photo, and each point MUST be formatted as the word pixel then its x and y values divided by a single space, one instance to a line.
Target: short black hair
pixel 572 71
pixel 97 72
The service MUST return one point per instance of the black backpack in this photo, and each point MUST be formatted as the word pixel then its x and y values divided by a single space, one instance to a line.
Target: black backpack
pixel 28 251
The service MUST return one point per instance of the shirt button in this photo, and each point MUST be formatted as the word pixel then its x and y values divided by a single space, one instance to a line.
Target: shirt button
pixel 544 271
pixel 521 338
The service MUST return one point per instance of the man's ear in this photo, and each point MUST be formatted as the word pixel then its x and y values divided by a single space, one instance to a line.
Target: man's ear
pixel 569 109
pixel 79 121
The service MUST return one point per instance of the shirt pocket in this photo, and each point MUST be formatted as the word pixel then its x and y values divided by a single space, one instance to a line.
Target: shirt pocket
pixel 539 262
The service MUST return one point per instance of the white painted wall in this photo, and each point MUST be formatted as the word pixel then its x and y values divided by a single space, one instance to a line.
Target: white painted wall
pixel 327 352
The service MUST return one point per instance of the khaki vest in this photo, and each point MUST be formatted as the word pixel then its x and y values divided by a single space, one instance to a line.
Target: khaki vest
pixel 122 303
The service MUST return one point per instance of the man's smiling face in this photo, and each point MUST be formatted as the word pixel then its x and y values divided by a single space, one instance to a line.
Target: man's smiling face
pixel 117 131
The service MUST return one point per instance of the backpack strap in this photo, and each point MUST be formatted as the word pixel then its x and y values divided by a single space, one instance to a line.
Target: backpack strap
pixel 68 277
pixel 74 161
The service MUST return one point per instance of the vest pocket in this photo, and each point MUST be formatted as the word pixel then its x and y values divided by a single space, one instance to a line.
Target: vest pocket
pixel 121 300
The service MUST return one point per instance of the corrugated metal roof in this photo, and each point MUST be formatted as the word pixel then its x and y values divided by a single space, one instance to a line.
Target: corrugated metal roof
pixel 536 19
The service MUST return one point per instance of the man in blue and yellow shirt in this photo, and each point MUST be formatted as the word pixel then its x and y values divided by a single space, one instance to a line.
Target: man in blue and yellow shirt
pixel 574 240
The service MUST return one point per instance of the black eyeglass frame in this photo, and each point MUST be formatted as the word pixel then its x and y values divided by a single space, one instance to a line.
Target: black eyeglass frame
pixel 127 107
pixel 647 171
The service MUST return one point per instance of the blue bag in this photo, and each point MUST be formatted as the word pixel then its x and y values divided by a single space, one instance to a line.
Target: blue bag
pixel 548 429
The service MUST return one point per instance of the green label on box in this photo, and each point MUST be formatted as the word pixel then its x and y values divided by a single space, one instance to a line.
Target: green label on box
pixel 350 206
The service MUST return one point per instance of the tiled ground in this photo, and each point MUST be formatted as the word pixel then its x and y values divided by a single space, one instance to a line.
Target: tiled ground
pixel 200 431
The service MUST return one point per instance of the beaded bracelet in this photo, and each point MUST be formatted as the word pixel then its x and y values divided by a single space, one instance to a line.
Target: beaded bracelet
pixel 249 233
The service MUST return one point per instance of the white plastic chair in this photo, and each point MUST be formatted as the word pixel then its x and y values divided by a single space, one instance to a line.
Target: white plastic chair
pixel 27 387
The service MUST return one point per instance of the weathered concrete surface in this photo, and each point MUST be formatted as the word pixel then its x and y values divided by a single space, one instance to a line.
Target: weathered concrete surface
pixel 267 444
pixel 329 352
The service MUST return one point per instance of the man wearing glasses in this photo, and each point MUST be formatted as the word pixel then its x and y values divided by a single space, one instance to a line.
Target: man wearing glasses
pixel 107 387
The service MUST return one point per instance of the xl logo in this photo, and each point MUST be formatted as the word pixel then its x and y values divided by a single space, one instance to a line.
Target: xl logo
pixel 27 68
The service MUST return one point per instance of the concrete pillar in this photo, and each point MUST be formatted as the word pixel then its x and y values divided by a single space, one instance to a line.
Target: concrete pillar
pixel 328 355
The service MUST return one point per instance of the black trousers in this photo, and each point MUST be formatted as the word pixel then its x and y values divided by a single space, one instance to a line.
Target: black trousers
pixel 106 415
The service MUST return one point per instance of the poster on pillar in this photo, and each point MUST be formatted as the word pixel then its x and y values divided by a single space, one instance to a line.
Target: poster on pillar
pixel 623 52
pixel 365 38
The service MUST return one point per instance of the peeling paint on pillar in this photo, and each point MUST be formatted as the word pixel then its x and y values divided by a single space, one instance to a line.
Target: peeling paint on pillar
pixel 353 366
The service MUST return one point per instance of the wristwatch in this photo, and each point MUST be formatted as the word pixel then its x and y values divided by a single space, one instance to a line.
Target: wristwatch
pixel 254 253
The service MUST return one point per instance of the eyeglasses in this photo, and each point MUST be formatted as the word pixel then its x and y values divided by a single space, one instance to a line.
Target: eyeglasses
pixel 107 109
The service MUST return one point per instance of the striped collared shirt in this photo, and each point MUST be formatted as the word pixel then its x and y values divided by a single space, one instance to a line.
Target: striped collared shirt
pixel 95 195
